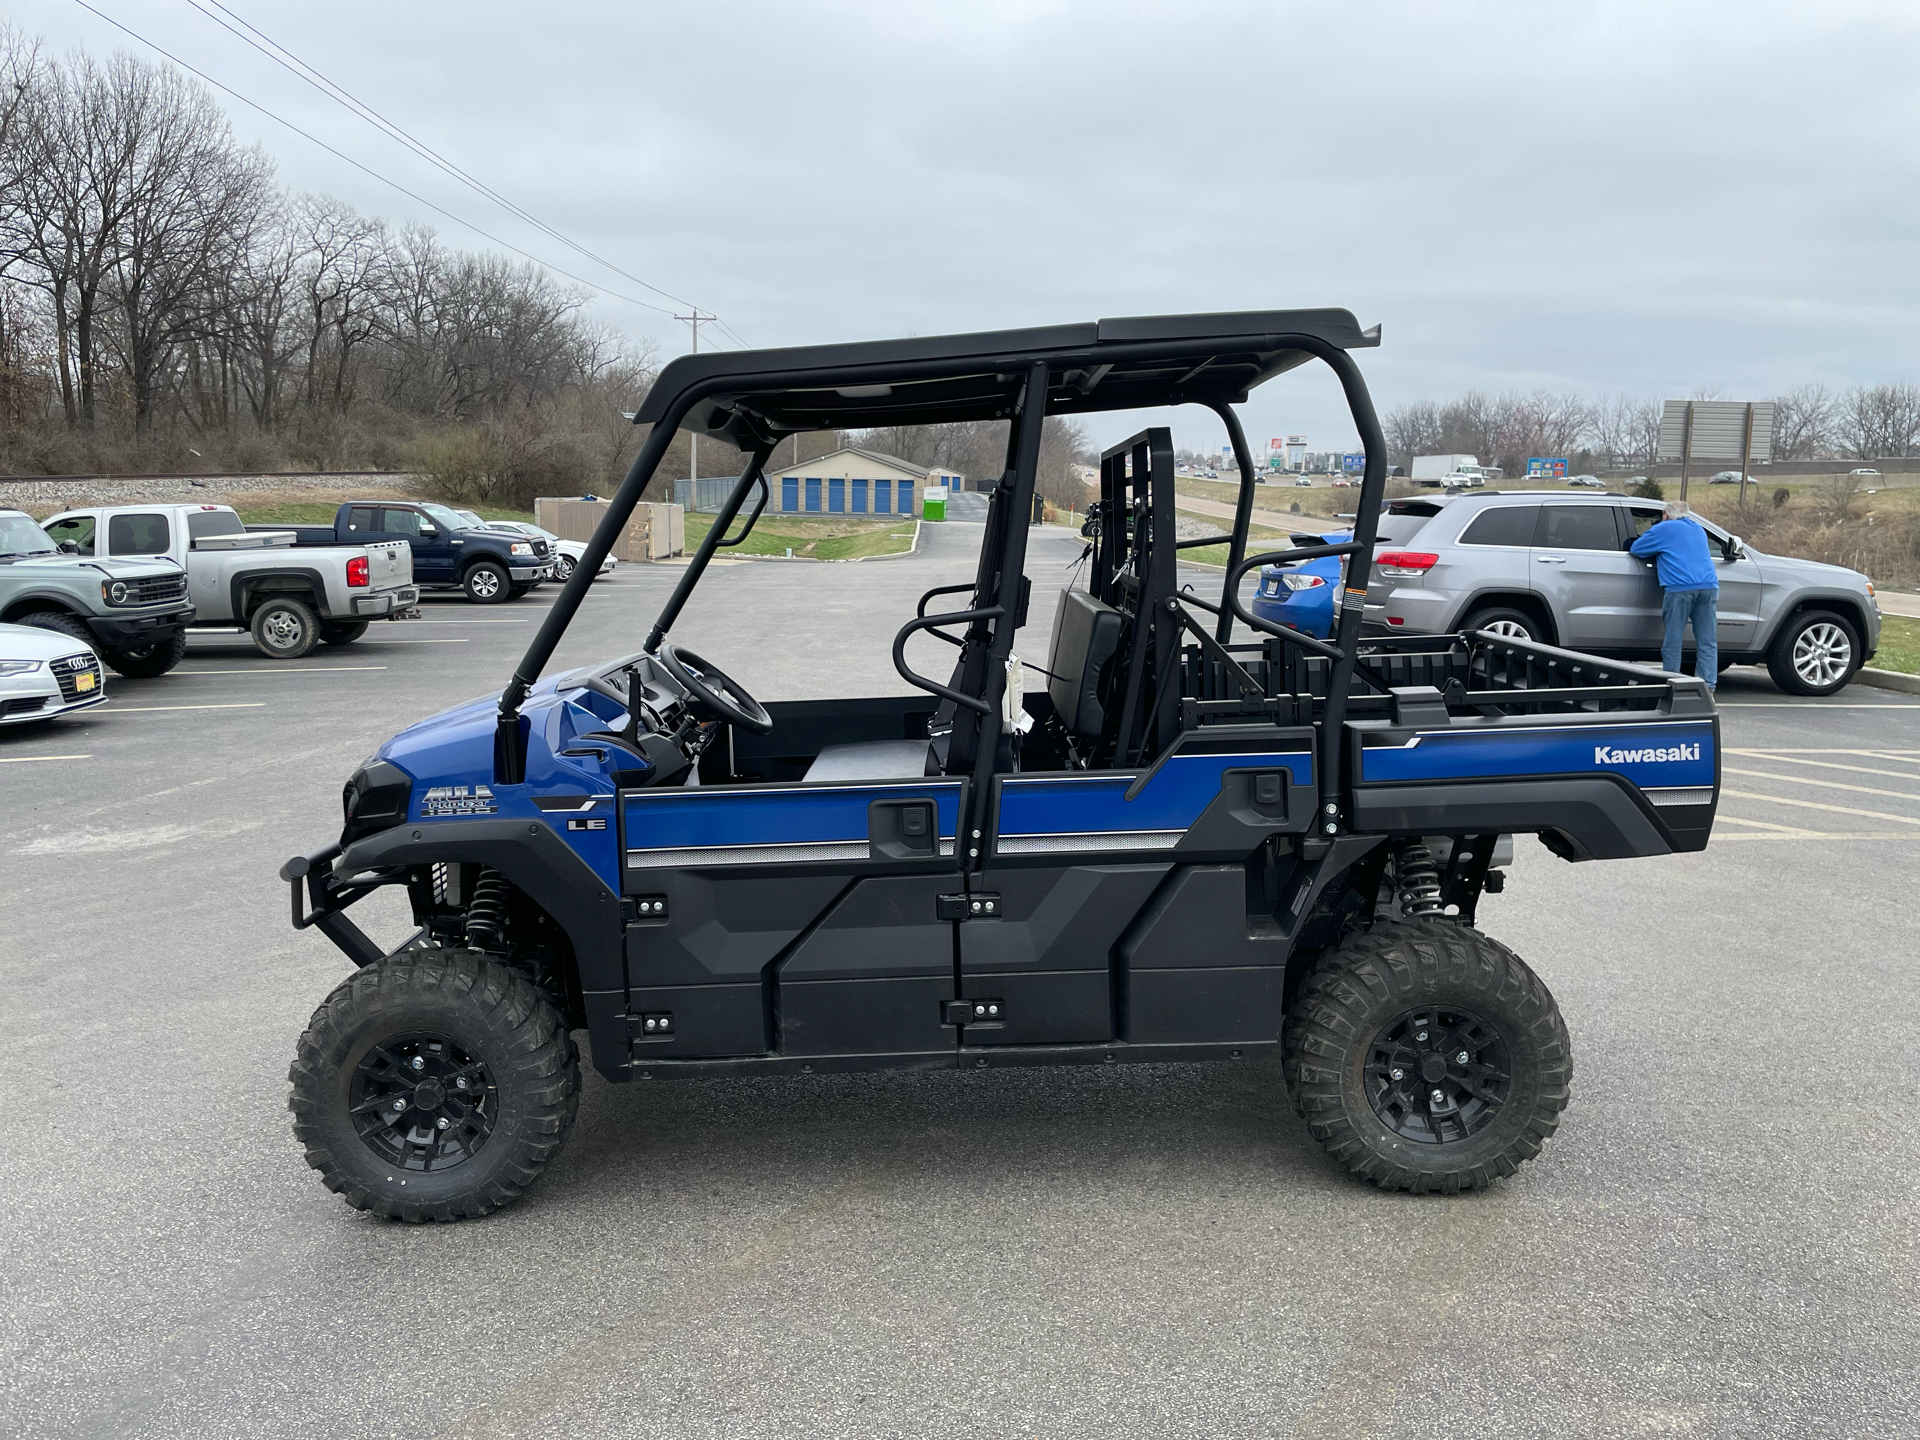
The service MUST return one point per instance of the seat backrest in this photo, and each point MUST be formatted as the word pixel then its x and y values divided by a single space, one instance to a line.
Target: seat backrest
pixel 1085 634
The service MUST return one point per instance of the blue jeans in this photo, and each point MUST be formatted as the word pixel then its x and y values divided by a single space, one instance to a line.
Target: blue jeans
pixel 1702 607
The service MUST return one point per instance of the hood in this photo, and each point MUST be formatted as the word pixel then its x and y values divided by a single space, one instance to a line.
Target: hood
pixel 1774 568
pixel 460 739
pixel 29 642
pixel 119 569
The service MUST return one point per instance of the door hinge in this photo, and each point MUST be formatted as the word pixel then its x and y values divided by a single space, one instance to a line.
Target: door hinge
pixel 980 905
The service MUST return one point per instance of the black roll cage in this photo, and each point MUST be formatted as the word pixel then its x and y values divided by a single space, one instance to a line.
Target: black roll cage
pixel 754 399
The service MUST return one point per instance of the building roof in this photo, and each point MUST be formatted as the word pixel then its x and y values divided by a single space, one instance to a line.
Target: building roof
pixel 756 397
pixel 894 460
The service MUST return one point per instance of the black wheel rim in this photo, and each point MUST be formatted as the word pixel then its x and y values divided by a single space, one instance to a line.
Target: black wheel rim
pixel 422 1103
pixel 1437 1075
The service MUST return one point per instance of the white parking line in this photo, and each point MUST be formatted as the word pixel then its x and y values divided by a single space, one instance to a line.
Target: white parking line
pixel 1762 824
pixel 1815 805
pixel 1823 835
pixel 502 620
pixel 284 670
pixel 131 709
pixel 1879 790
pixel 30 759
pixel 437 640
pixel 1807 705
pixel 1826 764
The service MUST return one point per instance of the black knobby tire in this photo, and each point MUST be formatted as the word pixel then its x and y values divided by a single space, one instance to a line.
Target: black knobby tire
pixel 1815 653
pixel 285 628
pixel 1348 1024
pixel 60 623
pixel 487 583
pixel 342 632
pixel 148 662
pixel 498 1029
pixel 1506 621
pixel 522 590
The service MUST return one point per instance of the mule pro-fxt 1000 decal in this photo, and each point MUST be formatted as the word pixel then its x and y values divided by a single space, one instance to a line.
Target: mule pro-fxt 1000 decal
pixel 1659 756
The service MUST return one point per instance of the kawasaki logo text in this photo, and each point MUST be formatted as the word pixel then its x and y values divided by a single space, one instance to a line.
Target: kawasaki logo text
pixel 1602 755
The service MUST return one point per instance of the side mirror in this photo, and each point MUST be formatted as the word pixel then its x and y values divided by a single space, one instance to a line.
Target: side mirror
pixel 69 547
pixel 1734 549
pixel 427 532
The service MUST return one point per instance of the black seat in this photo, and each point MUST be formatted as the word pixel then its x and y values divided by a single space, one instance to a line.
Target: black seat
pixel 1086 632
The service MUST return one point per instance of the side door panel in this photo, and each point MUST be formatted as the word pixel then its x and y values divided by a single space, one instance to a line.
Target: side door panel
pixel 803 916
pixel 1077 857
pixel 1581 568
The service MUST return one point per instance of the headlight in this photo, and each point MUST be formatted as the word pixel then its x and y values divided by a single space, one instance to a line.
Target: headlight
pixel 374 799
pixel 519 549
pixel 114 592
pixel 18 667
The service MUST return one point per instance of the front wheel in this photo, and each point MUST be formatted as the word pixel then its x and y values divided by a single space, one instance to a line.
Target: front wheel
pixel 563 568
pixel 487 583
pixel 1814 654
pixel 149 661
pixel 434 1085
pixel 1426 1057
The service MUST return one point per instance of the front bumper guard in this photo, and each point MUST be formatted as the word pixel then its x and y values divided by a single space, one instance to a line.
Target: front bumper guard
pixel 326 900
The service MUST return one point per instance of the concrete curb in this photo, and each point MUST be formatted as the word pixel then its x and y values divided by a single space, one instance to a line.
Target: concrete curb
pixel 1888 680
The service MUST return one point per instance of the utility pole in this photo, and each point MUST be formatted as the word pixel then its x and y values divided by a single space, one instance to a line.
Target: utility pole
pixel 696 320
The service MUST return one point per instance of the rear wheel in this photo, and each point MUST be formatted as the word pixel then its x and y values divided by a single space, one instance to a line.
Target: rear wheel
pixel 1425 1056
pixel 435 1085
pixel 342 632
pixel 1814 654
pixel 284 628
pixel 1506 622
pixel 150 661
pixel 487 583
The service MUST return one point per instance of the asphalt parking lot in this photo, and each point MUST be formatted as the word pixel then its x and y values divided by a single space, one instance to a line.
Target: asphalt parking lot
pixel 1723 1239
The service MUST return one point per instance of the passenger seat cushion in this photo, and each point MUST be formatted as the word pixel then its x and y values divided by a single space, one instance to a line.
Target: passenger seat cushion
pixel 1085 635
pixel 871 760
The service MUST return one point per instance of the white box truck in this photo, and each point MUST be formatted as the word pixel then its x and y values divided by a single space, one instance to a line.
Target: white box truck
pixel 1451 469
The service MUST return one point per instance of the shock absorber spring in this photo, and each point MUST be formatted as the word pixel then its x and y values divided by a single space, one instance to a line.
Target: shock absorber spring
pixel 487 911
pixel 1419 881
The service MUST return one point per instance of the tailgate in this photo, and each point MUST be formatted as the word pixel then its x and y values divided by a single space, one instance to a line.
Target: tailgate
pixel 390 564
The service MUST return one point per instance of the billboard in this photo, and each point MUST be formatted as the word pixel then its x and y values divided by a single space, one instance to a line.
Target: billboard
pixel 1353 464
pixel 1276 443
pixel 1718 429
pixel 1546 469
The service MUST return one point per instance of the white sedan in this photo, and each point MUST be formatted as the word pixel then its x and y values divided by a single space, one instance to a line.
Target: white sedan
pixel 44 673
pixel 566 553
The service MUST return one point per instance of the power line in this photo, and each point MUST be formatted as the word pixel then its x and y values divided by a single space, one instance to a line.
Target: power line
pixel 312 75
pixel 366 169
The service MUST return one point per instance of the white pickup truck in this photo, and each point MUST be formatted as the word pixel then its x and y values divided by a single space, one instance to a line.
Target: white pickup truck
pixel 289 599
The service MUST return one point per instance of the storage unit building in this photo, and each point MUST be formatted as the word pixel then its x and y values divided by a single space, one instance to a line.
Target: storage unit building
pixel 855 482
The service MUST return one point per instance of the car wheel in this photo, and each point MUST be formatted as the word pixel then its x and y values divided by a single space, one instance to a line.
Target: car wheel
pixel 342 632
pixel 434 1085
pixel 1506 622
pixel 284 628
pixel 148 662
pixel 1814 654
pixel 487 583
pixel 563 567
pixel 1426 1056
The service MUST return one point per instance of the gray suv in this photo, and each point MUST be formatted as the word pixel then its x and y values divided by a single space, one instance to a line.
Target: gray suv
pixel 1555 568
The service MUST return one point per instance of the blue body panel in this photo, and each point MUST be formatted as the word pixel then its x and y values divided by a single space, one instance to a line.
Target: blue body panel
pixel 1308 611
pixel 1183 786
pixel 1653 756
pixel 675 819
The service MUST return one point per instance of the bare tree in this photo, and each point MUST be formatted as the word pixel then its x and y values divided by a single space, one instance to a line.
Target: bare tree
pixel 1802 423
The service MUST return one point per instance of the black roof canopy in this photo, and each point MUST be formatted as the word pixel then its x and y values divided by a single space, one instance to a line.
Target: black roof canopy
pixel 758 396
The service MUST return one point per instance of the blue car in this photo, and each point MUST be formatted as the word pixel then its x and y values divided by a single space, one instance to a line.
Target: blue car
pixel 1301 595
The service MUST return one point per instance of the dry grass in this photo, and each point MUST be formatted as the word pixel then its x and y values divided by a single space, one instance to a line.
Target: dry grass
pixel 1880 537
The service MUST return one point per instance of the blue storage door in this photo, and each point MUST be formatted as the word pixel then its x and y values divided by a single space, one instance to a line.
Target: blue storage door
pixel 882 497
pixel 859 497
pixel 906 497
pixel 790 493
pixel 813 494
pixel 837 495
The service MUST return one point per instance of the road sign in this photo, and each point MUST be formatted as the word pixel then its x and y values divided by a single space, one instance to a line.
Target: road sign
pixel 1276 443
pixel 1693 430
pixel 1353 464
pixel 1554 469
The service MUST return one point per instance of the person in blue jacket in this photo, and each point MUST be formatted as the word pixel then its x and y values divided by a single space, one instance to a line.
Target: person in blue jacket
pixel 1678 547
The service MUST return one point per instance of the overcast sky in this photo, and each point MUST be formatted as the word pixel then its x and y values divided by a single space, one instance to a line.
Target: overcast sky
pixel 1651 198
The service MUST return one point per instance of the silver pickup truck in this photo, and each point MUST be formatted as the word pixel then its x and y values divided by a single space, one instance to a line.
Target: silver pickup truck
pixel 289 600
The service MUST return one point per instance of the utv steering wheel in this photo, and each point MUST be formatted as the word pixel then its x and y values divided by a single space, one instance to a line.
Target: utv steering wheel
pixel 714 689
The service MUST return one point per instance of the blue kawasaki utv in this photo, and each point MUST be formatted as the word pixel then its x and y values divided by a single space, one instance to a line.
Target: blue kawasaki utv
pixel 1217 838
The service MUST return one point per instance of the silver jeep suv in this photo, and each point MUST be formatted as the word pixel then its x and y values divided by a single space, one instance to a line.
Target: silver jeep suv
pixel 1555 568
